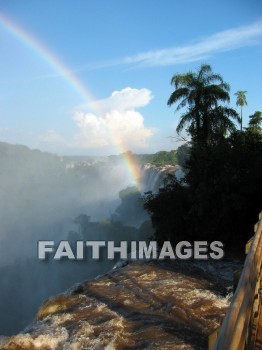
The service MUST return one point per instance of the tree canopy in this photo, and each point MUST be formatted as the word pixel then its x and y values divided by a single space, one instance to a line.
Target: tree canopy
pixel 203 93
pixel 241 101
pixel 255 121
pixel 220 196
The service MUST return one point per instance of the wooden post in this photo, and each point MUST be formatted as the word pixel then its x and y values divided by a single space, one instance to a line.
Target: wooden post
pixel 240 324
pixel 212 338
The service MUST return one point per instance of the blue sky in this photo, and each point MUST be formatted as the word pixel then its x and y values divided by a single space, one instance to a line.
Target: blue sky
pixel 124 53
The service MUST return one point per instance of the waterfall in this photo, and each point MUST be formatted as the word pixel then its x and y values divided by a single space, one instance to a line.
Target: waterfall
pixel 153 176
pixel 150 305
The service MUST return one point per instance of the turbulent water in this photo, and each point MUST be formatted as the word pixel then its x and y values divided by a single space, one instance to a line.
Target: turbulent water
pixel 42 198
pixel 143 305
pixel 140 306
pixel 153 176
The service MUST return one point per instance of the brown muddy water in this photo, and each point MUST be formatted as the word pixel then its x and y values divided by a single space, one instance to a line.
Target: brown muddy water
pixel 146 305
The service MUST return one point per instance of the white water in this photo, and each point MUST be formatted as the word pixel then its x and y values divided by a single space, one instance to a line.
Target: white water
pixel 141 306
pixel 153 176
pixel 41 197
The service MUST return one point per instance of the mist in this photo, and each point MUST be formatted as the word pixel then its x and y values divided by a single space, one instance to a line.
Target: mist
pixel 46 197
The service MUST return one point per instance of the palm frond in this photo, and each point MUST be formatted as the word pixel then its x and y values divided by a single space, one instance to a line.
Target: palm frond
pixel 214 77
pixel 203 70
pixel 177 95
pixel 203 92
pixel 181 80
pixel 185 119
pixel 241 98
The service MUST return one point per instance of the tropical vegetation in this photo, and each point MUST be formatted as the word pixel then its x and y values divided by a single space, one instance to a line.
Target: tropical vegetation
pixel 205 93
pixel 220 196
pixel 241 101
pixel 255 122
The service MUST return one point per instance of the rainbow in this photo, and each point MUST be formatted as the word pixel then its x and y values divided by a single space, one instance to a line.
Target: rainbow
pixel 71 78
pixel 44 53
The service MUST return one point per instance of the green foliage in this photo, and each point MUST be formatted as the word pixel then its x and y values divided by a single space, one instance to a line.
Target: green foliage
pixel 146 231
pixel 241 98
pixel 255 121
pixel 168 210
pixel 241 101
pixel 183 154
pixel 163 158
pixel 130 211
pixel 202 92
pixel 128 192
pixel 230 196
pixel 158 158
pixel 222 196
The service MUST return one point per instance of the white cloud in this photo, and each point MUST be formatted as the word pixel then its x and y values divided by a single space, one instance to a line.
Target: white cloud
pixel 115 121
pixel 123 100
pixel 227 40
pixel 222 41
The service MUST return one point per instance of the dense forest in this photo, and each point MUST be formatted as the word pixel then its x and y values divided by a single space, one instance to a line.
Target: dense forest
pixel 220 196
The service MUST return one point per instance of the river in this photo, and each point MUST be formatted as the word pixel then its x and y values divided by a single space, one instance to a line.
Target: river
pixel 142 305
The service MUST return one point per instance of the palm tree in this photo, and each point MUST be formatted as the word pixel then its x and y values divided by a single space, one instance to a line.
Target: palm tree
pixel 255 122
pixel 241 101
pixel 201 92
pixel 221 122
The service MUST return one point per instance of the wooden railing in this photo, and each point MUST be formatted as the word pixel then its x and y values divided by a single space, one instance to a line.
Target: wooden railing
pixel 238 330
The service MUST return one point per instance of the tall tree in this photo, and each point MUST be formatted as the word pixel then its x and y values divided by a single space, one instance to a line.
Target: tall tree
pixel 202 92
pixel 241 101
pixel 255 122
pixel 221 123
